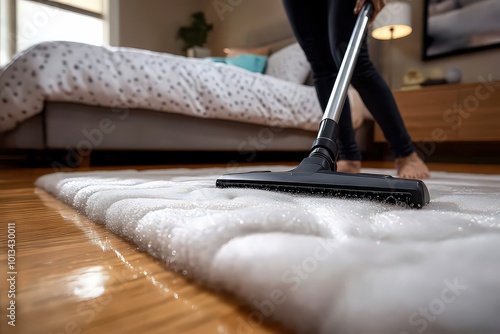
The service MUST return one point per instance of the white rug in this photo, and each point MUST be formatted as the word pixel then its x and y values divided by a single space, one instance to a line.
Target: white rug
pixel 316 264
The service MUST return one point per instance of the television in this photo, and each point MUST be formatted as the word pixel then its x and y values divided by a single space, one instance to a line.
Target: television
pixel 458 26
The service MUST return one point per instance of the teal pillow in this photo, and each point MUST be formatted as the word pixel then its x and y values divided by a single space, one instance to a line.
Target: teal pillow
pixel 249 62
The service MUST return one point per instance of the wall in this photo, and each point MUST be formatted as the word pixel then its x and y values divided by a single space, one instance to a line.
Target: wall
pixel 153 24
pixel 408 50
pixel 245 23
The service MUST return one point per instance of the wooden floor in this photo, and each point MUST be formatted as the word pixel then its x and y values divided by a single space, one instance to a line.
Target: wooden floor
pixel 73 276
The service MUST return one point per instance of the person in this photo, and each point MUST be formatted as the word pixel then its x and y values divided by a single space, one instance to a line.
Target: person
pixel 323 29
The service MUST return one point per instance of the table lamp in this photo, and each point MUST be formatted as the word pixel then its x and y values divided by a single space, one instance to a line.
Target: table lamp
pixel 393 22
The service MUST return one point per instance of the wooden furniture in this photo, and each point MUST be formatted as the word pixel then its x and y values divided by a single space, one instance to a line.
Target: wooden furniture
pixel 460 112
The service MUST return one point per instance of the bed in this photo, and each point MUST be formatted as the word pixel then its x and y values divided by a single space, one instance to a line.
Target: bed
pixel 64 95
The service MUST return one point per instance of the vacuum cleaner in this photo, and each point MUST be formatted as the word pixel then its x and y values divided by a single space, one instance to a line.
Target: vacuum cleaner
pixel 317 174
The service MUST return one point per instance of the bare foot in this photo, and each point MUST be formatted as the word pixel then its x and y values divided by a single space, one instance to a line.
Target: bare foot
pixel 412 167
pixel 349 166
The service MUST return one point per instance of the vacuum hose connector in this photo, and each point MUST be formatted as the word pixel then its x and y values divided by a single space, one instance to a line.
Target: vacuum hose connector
pixel 324 145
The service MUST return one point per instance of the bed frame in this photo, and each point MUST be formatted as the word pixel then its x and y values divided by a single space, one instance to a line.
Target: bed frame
pixel 62 125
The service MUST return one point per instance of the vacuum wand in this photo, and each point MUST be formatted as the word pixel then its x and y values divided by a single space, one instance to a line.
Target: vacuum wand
pixel 337 98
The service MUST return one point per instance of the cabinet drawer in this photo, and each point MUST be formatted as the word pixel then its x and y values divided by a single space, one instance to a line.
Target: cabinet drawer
pixel 429 114
pixel 480 113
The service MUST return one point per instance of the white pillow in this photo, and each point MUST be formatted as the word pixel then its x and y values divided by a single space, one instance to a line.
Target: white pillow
pixel 289 64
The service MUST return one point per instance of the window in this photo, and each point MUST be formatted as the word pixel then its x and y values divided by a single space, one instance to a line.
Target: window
pixel 5 27
pixel 69 20
pixel 35 21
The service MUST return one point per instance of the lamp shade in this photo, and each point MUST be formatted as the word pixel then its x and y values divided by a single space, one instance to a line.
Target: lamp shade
pixel 393 21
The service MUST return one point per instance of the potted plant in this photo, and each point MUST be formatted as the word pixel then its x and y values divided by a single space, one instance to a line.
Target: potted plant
pixel 195 36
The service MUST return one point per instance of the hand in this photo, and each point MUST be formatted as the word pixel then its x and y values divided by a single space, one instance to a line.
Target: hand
pixel 377 7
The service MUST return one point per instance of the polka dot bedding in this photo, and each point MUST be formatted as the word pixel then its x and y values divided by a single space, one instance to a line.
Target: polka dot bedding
pixel 140 79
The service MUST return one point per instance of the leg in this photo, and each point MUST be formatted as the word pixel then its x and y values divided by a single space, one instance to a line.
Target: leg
pixel 374 91
pixel 379 100
pixel 309 21
pixel 309 24
pixel 340 25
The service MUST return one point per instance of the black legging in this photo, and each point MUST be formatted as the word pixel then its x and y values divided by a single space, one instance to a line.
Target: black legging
pixel 323 29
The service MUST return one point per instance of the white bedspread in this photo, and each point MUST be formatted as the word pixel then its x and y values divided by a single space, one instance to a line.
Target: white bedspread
pixel 316 264
pixel 131 78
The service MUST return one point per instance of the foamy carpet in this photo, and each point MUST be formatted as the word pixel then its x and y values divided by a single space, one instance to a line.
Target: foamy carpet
pixel 316 264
